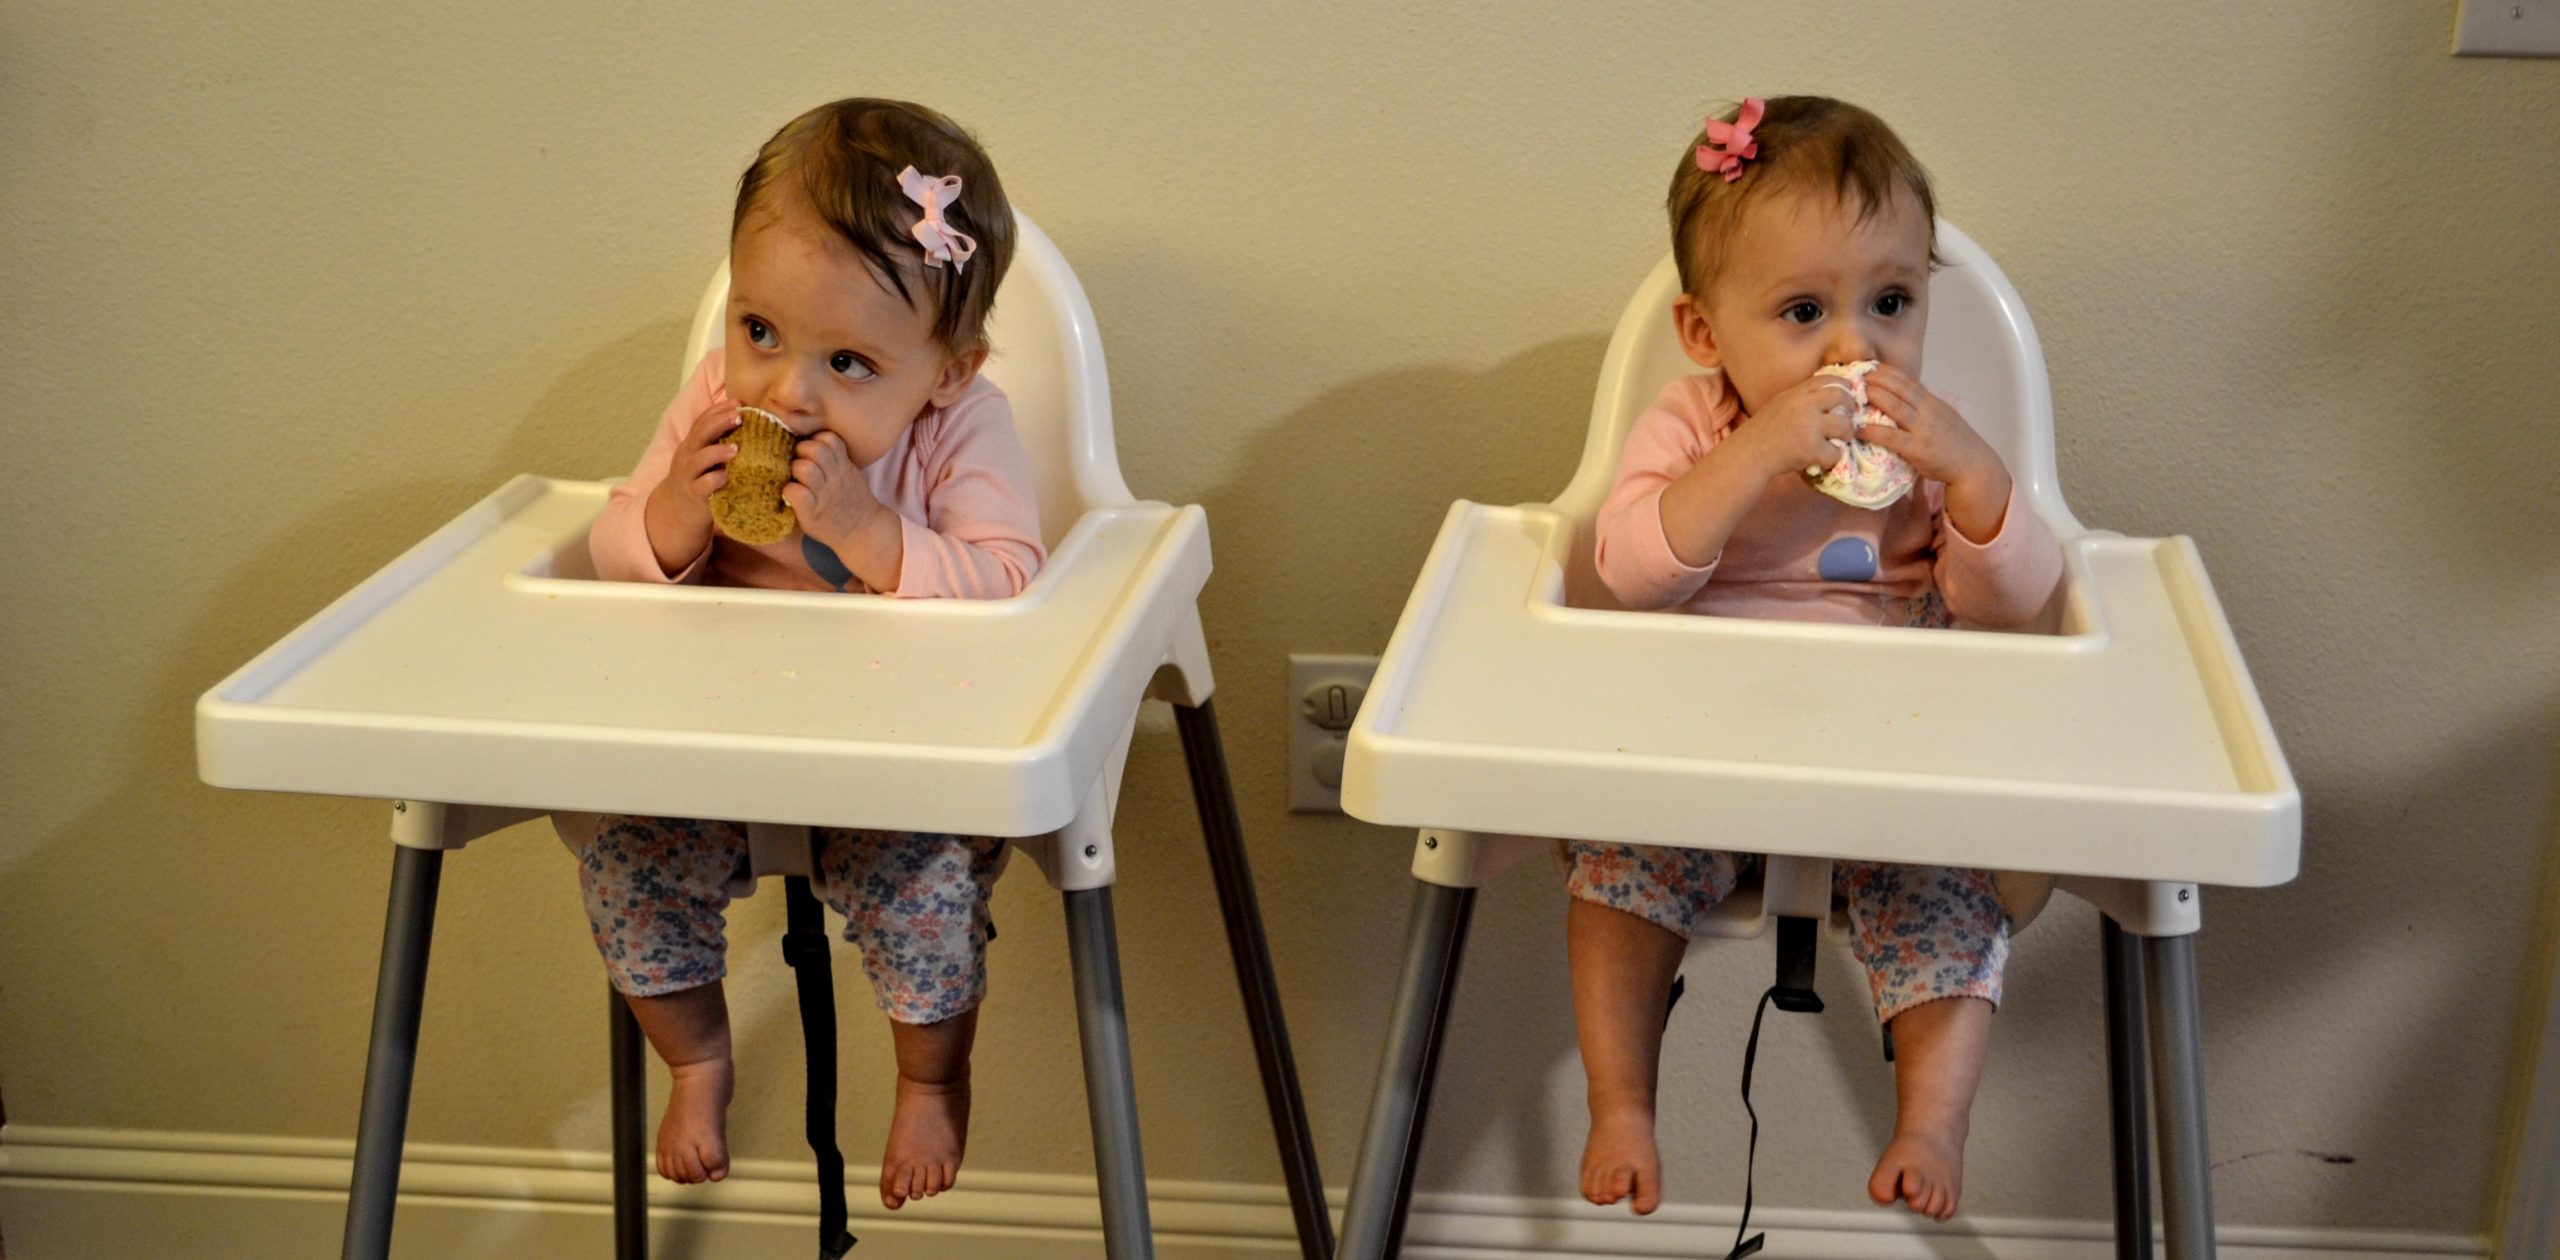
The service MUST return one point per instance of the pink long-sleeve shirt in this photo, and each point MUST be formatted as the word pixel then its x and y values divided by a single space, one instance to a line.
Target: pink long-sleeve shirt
pixel 1773 565
pixel 958 479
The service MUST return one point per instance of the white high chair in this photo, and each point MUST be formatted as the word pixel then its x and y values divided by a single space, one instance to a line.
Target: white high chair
pixel 483 678
pixel 2127 754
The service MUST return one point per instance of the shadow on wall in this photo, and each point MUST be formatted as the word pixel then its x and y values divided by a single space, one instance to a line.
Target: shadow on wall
pixel 2351 1155
pixel 266 1010
pixel 2368 603
pixel 1319 533
pixel 2538 1019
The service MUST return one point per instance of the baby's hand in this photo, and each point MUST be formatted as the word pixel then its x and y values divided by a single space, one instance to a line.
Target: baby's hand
pixel 828 493
pixel 678 514
pixel 1940 446
pixel 1794 431
pixel 1933 439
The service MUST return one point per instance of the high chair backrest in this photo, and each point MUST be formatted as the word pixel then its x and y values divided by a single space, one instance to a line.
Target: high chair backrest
pixel 1048 359
pixel 1982 353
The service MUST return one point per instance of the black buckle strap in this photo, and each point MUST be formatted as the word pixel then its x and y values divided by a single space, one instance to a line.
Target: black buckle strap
pixel 804 946
pixel 1792 992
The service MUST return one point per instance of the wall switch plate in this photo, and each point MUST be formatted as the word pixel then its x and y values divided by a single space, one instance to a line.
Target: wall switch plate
pixel 2506 28
pixel 1324 695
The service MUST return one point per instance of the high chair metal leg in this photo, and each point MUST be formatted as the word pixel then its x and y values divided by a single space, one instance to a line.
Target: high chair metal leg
pixel 2177 1064
pixel 2129 1099
pixel 1212 792
pixel 1111 1092
pixel 1391 1146
pixel 391 1060
pixel 630 1131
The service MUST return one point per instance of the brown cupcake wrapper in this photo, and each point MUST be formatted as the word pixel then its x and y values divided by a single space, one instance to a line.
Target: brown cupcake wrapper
pixel 750 508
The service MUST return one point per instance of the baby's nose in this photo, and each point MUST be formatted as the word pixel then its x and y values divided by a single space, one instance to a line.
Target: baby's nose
pixel 788 396
pixel 1850 344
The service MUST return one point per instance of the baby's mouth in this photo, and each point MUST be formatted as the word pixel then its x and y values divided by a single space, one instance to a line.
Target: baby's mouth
pixel 794 430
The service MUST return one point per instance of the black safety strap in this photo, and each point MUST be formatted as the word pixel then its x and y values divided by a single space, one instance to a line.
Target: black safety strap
pixel 804 946
pixel 1792 992
pixel 1750 1161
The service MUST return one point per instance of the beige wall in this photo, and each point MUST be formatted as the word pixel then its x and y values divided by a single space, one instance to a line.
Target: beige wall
pixel 287 289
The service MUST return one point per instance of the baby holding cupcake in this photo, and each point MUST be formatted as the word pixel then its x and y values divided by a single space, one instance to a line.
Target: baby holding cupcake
pixel 1805 474
pixel 840 440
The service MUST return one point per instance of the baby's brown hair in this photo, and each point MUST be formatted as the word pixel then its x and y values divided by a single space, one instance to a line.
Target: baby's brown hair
pixel 842 159
pixel 1806 142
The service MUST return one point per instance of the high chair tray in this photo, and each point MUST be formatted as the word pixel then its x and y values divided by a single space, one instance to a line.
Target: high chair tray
pixel 487 666
pixel 2130 745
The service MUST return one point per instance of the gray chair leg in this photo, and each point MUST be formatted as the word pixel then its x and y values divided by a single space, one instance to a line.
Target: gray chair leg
pixel 391 1061
pixel 1390 1149
pixel 631 1162
pixel 1215 797
pixel 1110 1090
pixel 2177 1057
pixel 2128 1096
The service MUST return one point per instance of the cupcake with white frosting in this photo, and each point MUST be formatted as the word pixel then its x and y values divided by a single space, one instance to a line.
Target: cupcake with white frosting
pixel 1866 475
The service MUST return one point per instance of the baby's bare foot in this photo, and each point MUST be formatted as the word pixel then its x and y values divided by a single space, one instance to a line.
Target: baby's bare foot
pixel 1619 1159
pixel 926 1136
pixel 1923 1167
pixel 693 1135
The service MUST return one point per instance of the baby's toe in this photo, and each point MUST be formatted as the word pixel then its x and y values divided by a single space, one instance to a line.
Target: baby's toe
pixel 1648 1192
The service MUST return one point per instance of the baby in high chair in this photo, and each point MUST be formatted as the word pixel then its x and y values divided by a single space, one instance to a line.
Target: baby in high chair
pixel 1805 235
pixel 865 249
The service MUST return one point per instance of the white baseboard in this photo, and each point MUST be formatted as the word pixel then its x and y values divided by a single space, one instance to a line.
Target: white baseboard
pixel 75 1194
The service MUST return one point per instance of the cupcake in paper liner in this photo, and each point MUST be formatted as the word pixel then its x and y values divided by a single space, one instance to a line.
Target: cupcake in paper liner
pixel 1866 475
pixel 750 508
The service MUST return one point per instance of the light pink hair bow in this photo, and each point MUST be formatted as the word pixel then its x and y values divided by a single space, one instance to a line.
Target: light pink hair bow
pixel 1729 144
pixel 942 242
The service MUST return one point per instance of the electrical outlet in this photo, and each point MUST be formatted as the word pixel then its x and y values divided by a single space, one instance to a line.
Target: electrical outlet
pixel 2506 28
pixel 1324 695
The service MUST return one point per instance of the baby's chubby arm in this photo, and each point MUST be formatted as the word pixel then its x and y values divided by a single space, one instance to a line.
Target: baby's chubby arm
pixel 1997 561
pixel 980 536
pixel 1682 489
pixel 1793 432
pixel 656 526
pixel 2005 579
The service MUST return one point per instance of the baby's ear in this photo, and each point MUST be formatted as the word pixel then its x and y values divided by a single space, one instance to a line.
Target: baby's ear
pixel 958 373
pixel 1697 336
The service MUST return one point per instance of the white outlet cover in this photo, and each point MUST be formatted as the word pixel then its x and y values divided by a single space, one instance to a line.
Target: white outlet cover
pixel 1307 741
pixel 2506 28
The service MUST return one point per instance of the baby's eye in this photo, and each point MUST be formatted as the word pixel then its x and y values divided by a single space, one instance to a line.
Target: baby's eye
pixel 1893 304
pixel 849 365
pixel 1801 313
pixel 760 333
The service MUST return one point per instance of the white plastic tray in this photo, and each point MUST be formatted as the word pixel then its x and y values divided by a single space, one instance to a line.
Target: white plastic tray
pixel 2130 745
pixel 479 668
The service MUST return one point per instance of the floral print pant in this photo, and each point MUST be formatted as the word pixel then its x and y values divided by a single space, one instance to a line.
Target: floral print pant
pixel 914 903
pixel 1921 932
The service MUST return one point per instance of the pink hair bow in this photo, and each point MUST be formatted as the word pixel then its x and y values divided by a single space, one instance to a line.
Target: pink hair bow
pixel 1729 144
pixel 942 242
